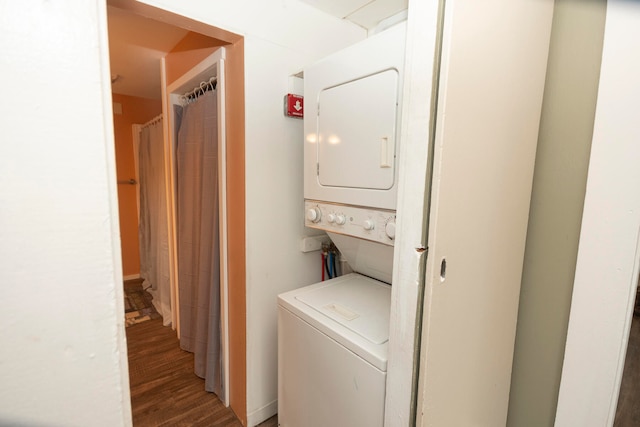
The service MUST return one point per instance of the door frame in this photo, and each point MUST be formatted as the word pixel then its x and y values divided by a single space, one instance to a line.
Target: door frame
pixel 417 126
pixel 212 65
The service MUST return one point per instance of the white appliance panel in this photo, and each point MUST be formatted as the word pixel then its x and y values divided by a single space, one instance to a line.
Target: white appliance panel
pixel 376 225
pixel 368 342
pixel 321 383
pixel 364 236
pixel 331 372
pixel 357 123
pixel 351 97
pixel 367 317
pixel 365 257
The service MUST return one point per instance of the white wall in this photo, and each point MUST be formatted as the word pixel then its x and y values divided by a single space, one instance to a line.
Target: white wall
pixel 274 217
pixel 281 37
pixel 63 354
pixel 608 253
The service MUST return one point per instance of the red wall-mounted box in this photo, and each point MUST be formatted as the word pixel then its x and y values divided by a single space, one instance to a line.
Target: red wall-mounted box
pixel 293 105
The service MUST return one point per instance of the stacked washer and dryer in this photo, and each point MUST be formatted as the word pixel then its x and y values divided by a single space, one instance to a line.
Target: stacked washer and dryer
pixel 333 335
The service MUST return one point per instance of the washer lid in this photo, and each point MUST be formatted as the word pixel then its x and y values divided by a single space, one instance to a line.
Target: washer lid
pixel 360 304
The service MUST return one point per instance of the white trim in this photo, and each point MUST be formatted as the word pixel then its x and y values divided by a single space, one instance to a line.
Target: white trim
pixel 224 237
pixel 608 257
pixel 192 78
pixel 131 277
pixel 262 414
pixel 408 266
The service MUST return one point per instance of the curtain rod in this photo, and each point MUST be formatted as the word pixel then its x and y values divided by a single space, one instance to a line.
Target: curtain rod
pixel 197 91
pixel 152 121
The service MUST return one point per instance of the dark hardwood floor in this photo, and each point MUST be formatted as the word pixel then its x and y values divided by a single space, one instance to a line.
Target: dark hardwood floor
pixel 164 389
pixel 628 411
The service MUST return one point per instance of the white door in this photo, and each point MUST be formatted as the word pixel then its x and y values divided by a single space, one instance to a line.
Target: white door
pixel 352 155
pixel 489 96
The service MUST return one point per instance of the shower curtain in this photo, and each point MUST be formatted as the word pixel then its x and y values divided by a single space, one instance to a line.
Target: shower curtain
pixel 153 229
pixel 198 238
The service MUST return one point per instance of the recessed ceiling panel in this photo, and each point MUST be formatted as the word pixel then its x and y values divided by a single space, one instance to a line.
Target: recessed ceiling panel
pixel 338 8
pixel 370 15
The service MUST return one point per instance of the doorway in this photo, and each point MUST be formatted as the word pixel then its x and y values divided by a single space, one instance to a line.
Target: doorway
pixel 182 50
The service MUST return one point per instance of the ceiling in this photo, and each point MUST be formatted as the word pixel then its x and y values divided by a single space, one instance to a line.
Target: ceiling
pixel 136 43
pixel 365 13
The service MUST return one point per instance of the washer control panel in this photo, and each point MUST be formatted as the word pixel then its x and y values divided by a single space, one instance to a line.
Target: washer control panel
pixel 372 224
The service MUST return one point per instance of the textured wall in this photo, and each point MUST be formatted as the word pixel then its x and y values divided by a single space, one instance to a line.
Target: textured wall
pixel 63 356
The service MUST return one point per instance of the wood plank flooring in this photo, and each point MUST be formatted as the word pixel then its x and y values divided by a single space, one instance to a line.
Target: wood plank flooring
pixel 164 389
pixel 628 412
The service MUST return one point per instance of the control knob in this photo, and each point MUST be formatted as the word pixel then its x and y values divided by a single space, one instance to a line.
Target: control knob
pixel 314 214
pixel 331 218
pixel 368 224
pixel 390 230
pixel 341 219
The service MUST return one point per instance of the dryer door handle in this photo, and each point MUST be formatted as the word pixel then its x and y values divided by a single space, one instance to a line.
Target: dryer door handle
pixel 386 152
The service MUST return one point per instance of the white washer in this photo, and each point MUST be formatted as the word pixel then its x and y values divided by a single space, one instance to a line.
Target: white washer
pixel 332 343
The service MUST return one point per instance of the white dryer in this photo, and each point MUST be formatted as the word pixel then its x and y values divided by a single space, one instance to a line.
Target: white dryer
pixel 351 123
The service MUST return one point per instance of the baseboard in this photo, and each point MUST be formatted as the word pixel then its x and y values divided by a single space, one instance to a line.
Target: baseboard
pixel 262 414
pixel 131 277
